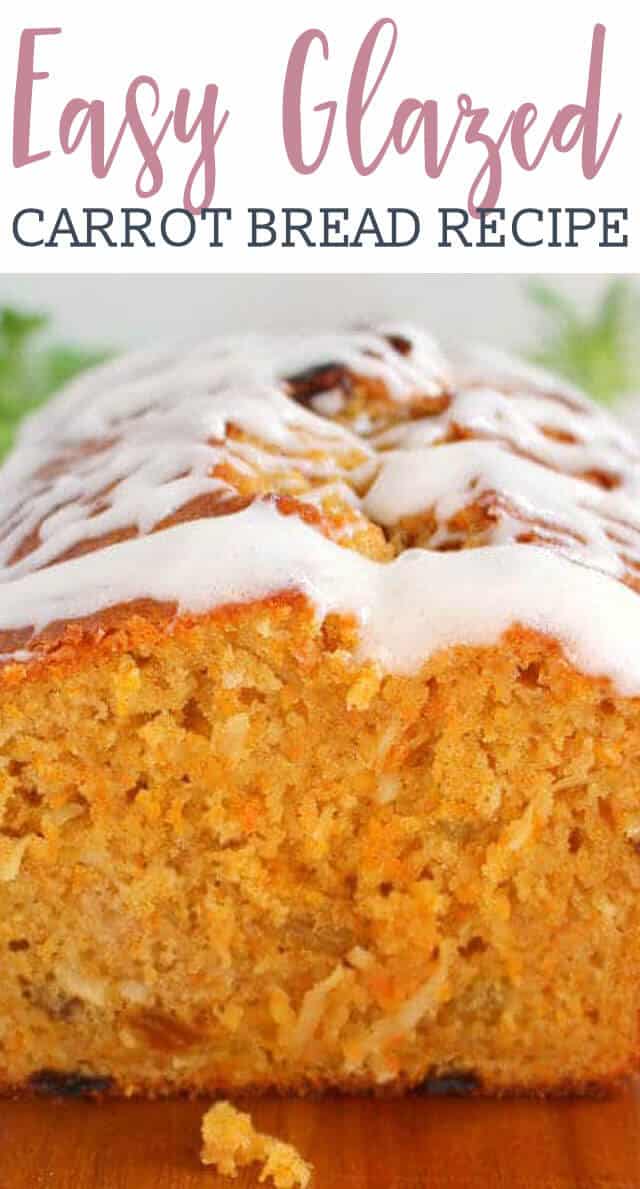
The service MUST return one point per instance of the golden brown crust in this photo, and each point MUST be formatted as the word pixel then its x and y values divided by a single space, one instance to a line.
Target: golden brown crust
pixel 234 856
pixel 49 1084
pixel 367 400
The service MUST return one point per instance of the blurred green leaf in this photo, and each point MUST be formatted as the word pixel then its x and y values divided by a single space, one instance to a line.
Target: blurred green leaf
pixel 30 372
pixel 600 350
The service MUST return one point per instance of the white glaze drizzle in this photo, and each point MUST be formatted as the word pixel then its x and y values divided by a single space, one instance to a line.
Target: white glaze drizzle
pixel 162 458
pixel 520 420
pixel 407 610
pixel 590 524
pixel 94 404
pixel 158 426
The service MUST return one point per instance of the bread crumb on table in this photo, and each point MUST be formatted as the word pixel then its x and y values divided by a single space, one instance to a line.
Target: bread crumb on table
pixel 230 1142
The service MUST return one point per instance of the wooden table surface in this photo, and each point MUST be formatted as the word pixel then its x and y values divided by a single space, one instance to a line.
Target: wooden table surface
pixel 413 1143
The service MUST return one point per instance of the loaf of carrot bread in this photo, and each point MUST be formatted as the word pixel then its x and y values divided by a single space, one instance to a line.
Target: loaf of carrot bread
pixel 319 726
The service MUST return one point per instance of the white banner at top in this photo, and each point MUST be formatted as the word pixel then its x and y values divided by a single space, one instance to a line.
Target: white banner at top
pixel 325 137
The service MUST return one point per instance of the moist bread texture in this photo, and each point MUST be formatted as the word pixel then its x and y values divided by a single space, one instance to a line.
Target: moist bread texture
pixel 319 727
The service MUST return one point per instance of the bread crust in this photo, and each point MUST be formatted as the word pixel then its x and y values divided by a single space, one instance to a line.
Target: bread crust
pixel 49 1084
pixel 239 852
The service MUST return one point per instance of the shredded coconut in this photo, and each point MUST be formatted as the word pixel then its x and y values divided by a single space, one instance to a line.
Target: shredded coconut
pixel 231 1142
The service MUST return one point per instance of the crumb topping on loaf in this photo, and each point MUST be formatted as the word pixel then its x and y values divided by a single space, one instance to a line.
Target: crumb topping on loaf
pixel 363 471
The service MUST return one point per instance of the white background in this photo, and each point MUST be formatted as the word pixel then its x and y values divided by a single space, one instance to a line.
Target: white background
pixel 500 52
